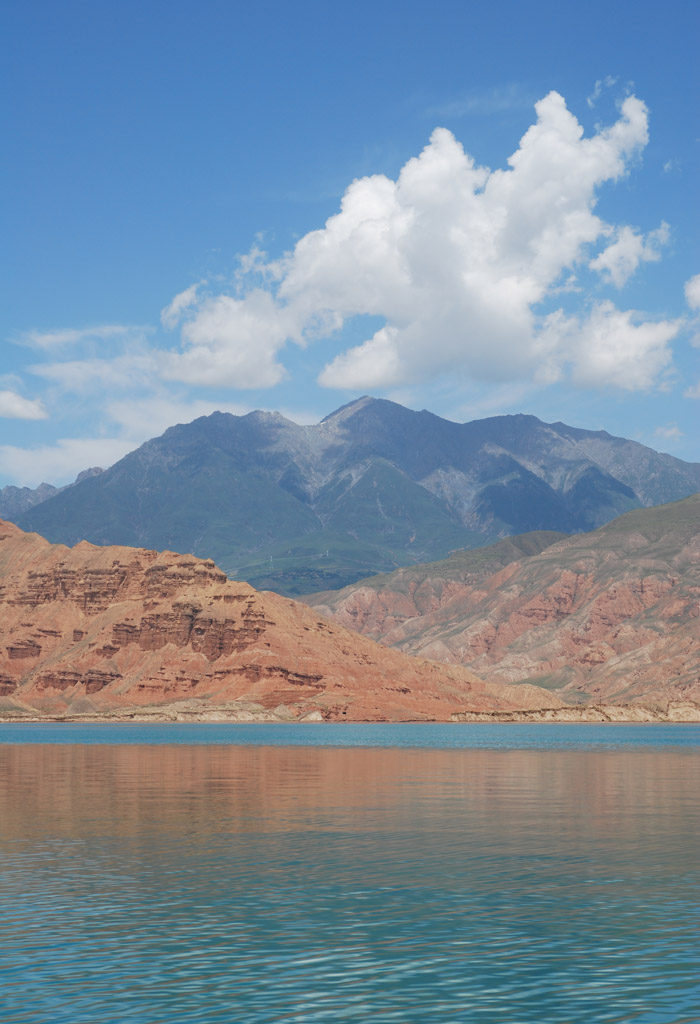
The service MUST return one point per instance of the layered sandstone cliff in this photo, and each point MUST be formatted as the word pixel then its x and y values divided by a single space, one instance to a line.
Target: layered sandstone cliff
pixel 93 630
pixel 611 616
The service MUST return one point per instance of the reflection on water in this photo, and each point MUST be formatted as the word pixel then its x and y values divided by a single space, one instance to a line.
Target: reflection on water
pixel 301 884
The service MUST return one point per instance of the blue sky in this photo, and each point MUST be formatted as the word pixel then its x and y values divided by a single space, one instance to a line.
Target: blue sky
pixel 466 207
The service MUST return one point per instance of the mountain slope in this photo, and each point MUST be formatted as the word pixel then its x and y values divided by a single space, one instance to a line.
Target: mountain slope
pixel 609 614
pixel 372 487
pixel 93 630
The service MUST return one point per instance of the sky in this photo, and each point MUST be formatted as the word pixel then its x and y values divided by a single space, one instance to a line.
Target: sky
pixel 472 208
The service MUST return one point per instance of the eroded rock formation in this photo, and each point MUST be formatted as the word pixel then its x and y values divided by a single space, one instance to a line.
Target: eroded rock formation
pixel 89 630
pixel 612 615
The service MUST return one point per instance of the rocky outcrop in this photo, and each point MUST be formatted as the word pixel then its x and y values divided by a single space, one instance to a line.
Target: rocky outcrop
pixel 88 631
pixel 613 615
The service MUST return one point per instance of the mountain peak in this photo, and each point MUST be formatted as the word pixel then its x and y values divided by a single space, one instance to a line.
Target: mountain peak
pixel 265 416
pixel 349 409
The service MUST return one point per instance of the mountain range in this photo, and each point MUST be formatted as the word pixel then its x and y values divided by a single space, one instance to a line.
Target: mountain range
pixel 611 615
pixel 374 486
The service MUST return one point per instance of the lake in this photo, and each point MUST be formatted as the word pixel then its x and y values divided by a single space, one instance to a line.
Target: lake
pixel 319 873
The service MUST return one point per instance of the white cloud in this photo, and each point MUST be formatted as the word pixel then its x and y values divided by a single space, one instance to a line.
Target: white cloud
pixel 61 462
pixel 608 349
pixel 65 337
pixel 170 316
pixel 13 406
pixel 85 376
pixel 669 432
pixel 456 259
pixel 692 292
pixel 619 261
pixel 231 343
pixel 603 83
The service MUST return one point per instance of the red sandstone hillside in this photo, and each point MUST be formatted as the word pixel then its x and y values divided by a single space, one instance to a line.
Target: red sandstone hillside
pixel 609 615
pixel 90 630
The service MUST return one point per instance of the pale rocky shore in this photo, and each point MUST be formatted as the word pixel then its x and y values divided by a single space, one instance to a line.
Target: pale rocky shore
pixel 675 711
pixel 246 712
pixel 182 711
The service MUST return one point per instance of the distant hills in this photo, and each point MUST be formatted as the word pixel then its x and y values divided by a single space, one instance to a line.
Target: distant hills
pixel 373 486
pixel 16 500
pixel 612 615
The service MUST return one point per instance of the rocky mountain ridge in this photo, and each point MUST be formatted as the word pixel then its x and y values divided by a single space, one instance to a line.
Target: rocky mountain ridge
pixel 372 487
pixel 612 615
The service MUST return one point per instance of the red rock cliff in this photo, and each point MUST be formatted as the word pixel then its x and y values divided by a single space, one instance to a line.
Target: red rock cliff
pixel 93 629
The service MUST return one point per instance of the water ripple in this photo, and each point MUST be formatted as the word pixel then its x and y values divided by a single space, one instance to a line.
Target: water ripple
pixel 206 884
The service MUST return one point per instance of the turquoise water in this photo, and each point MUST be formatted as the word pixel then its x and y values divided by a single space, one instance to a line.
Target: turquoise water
pixel 354 873
pixel 433 735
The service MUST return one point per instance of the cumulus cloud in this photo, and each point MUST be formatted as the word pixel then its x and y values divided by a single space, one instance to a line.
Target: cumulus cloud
pixel 619 261
pixel 14 406
pixel 610 349
pixel 459 263
pixel 231 342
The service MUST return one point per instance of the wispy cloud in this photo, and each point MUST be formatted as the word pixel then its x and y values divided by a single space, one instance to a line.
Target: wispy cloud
pixel 603 83
pixel 81 376
pixel 482 103
pixel 669 432
pixel 69 336
pixel 170 316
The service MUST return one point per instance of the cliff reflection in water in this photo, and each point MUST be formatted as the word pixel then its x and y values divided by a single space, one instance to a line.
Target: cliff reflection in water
pixel 263 883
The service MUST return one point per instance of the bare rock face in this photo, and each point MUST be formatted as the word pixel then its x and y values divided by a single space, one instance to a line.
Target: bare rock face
pixel 612 615
pixel 92 630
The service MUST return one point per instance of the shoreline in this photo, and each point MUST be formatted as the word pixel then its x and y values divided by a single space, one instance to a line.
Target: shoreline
pixel 676 712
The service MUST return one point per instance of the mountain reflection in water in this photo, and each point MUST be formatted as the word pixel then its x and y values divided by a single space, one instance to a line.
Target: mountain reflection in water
pixel 259 884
